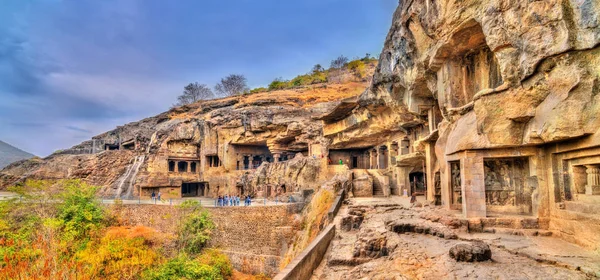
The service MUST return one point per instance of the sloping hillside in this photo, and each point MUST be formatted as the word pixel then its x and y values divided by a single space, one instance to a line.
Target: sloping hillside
pixel 10 154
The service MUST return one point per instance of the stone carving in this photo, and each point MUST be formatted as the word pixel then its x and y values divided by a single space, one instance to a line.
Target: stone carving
pixel 456 186
pixel 505 182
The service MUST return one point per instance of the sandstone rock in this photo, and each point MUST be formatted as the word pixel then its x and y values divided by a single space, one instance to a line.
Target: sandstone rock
pixel 353 220
pixel 370 244
pixel 471 252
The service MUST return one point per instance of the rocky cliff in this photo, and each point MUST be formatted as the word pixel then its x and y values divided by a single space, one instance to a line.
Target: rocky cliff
pixel 212 134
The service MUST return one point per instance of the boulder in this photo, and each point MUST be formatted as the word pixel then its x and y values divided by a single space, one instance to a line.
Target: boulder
pixel 471 252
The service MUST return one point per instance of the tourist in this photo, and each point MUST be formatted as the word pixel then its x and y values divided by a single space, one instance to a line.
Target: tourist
pixel 226 200
pixel 341 162
pixel 153 196
pixel 413 198
pixel 237 200
pixel 159 194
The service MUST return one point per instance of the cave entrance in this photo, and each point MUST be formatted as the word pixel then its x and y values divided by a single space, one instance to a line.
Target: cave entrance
pixel 417 183
pixel 251 156
pixel 256 161
pixel 195 189
pixel 354 162
pixel 353 158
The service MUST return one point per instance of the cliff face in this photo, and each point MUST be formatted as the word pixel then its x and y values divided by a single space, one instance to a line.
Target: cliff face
pixel 486 107
pixel 218 143
pixel 503 73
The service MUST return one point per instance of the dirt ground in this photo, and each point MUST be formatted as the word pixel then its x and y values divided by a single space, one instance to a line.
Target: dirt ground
pixel 374 251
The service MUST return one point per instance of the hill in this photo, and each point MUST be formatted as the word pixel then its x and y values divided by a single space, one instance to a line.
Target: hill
pixel 10 154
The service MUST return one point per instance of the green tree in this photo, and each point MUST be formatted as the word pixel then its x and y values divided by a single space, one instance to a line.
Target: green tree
pixel 317 69
pixel 358 68
pixel 278 84
pixel 195 229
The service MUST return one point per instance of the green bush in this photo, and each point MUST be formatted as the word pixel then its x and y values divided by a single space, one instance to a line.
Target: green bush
pixel 278 84
pixel 195 229
pixel 358 68
pixel 218 260
pixel 79 213
pixel 258 90
pixel 182 267
pixel 301 80
pixel 319 77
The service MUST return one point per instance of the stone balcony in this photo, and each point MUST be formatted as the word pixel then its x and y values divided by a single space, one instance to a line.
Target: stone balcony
pixel 411 159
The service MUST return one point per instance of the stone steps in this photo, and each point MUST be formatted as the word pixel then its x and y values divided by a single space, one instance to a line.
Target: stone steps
pixel 582 207
pixel 518 232
pixel 510 223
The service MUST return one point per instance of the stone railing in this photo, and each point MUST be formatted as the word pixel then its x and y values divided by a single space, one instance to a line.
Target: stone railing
pixel 337 204
pixel 302 267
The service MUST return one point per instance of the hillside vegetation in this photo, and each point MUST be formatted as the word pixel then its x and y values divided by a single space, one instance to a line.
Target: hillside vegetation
pixel 69 235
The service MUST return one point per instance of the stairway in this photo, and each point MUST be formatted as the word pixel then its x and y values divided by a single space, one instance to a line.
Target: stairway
pixel 380 182
pixel 377 188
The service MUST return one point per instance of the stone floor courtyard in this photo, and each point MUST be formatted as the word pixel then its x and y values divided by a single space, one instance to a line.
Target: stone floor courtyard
pixel 368 246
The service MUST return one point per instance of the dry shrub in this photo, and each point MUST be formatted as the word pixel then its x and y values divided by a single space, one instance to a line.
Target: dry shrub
pixel 243 276
pixel 123 253
pixel 315 219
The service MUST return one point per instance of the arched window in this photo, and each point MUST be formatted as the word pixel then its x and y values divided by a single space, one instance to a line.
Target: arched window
pixel 171 166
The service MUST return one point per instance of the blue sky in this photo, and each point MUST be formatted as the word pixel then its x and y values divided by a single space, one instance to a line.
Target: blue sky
pixel 72 69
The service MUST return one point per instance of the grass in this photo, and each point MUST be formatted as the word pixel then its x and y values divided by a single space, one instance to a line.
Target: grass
pixel 315 217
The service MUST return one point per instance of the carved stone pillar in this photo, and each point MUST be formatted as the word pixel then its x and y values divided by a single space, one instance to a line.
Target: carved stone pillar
pixel 276 157
pixel 379 155
pixel 372 159
pixel 593 180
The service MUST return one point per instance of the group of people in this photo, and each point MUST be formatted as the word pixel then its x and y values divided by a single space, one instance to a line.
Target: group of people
pixel 233 200
pixel 154 196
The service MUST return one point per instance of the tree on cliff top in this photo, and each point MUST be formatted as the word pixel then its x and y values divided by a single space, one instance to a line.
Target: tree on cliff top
pixel 194 92
pixel 232 85
pixel 339 62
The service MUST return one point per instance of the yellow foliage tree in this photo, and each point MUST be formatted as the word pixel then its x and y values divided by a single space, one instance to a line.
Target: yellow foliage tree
pixel 123 253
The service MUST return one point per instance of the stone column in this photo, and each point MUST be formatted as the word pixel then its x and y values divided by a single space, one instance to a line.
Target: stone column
pixel 378 158
pixel 429 171
pixel 593 180
pixel 473 186
pixel 276 157
pixel 372 159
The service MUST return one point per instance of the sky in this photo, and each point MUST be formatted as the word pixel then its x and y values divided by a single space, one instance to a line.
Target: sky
pixel 72 69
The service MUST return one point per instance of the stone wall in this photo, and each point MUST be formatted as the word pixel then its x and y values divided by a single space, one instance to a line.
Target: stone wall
pixel 254 238
pixel 302 267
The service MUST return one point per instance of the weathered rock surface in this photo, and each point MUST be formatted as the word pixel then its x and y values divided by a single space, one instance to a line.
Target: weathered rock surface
pixel 358 254
pixel 471 252
pixel 136 156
